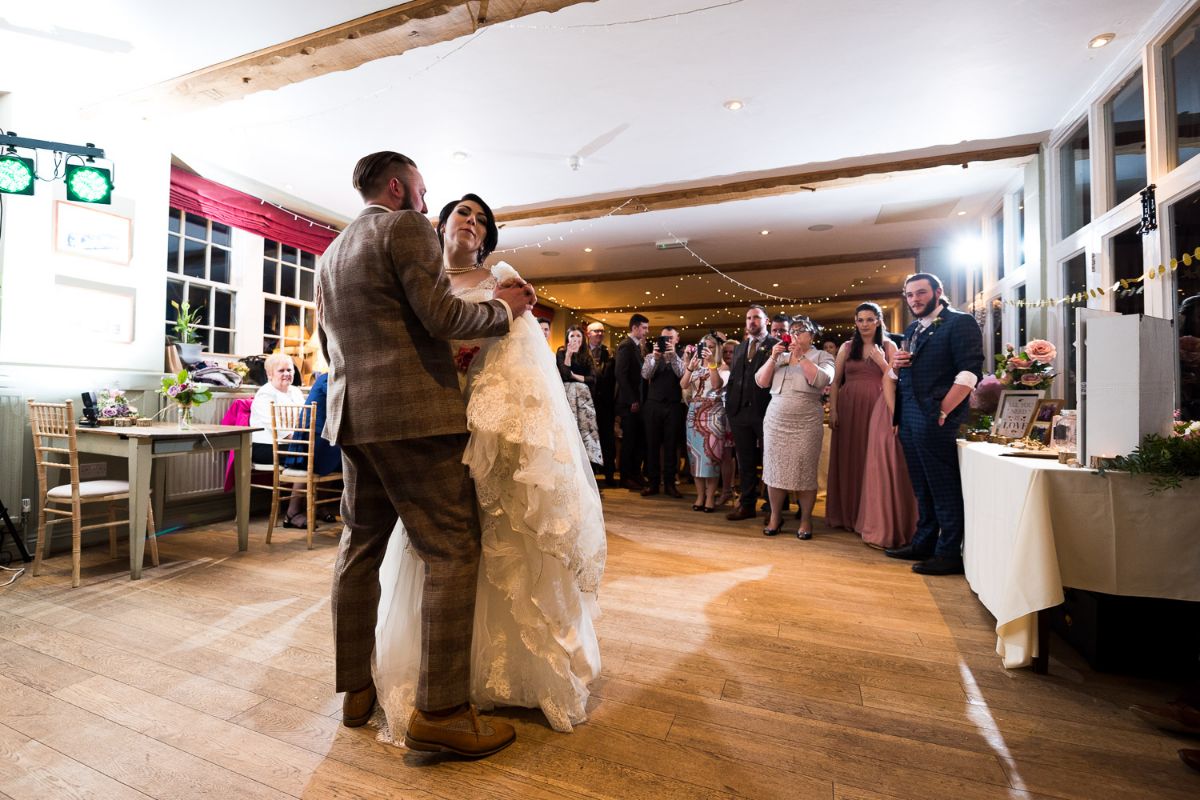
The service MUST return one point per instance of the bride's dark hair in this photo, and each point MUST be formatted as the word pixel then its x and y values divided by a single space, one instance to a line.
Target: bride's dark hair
pixel 490 239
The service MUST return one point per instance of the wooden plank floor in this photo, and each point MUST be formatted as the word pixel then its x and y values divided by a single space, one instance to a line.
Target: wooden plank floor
pixel 734 666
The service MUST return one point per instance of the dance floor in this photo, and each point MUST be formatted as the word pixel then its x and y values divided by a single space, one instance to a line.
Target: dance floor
pixel 734 665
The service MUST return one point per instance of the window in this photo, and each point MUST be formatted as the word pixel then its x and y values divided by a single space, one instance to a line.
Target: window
pixel 1075 179
pixel 1125 115
pixel 1182 54
pixel 998 233
pixel 1185 237
pixel 1020 338
pixel 199 271
pixel 1074 280
pixel 289 307
pixel 996 327
pixel 1021 257
pixel 1127 263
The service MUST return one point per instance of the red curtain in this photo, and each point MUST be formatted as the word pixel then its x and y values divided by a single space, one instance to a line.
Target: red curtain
pixel 201 196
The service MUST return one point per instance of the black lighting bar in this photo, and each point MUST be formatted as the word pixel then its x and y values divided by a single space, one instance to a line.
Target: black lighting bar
pixel 89 150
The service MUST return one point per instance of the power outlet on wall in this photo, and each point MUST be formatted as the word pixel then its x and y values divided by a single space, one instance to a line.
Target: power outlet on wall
pixel 93 472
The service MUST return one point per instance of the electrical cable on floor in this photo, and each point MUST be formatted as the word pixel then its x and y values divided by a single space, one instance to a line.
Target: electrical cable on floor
pixel 18 572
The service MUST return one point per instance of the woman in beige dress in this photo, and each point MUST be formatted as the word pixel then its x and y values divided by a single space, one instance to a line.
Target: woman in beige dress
pixel 796 373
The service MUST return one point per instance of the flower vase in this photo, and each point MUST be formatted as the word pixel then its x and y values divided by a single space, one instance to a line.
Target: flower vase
pixel 185 417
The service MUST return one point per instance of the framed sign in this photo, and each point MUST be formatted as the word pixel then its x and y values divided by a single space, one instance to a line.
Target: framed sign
pixel 1016 410
pixel 95 312
pixel 91 233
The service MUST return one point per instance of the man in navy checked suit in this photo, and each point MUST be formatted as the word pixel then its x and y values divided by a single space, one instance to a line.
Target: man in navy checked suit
pixel 937 371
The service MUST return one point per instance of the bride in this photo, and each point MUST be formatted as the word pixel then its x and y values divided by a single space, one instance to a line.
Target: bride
pixel 543 528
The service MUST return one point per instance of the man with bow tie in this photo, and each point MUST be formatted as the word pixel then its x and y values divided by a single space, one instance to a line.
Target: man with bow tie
pixel 937 369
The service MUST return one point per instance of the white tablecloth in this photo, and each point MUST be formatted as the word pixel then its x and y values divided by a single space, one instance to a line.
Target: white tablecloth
pixel 1034 526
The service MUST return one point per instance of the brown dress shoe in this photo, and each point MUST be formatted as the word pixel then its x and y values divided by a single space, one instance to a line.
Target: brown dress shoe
pixel 671 491
pixel 741 512
pixel 1191 758
pixel 357 706
pixel 1177 717
pixel 649 491
pixel 462 732
pixel 632 485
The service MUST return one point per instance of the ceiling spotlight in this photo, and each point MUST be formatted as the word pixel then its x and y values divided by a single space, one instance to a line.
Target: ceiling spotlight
pixel 962 213
pixel 775 285
pixel 587 249
pixel 1101 40
pixel 647 293
pixel 734 105
pixel 459 155
pixel 821 227
pixel 764 233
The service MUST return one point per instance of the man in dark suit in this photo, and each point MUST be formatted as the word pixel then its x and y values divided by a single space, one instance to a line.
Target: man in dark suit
pixel 385 311
pixel 663 413
pixel 630 394
pixel 938 368
pixel 746 405
pixel 605 397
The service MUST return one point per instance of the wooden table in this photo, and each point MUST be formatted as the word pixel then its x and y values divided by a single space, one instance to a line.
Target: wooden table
pixel 140 446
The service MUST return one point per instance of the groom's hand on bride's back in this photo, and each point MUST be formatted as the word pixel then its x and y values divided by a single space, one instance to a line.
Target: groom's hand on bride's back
pixel 519 296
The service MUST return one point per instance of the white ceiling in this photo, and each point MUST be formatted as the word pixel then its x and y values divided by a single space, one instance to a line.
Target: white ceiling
pixel 821 82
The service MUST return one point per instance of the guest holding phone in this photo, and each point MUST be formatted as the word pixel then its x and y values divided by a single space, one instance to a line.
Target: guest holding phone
pixel 663 414
pixel 705 419
pixel 794 424
pixel 577 370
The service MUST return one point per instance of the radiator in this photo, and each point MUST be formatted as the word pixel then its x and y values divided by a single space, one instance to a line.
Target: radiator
pixel 12 444
pixel 198 473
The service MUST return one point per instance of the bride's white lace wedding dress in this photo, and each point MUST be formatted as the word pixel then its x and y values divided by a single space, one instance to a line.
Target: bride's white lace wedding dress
pixel 543 542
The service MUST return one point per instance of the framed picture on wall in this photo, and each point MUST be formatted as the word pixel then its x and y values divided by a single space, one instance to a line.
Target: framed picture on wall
pixel 91 233
pixel 1016 411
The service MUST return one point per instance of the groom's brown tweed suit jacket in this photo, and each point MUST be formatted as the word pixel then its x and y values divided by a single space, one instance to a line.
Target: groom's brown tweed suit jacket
pixel 385 313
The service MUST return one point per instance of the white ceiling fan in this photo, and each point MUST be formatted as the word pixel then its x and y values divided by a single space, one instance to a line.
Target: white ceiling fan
pixel 575 161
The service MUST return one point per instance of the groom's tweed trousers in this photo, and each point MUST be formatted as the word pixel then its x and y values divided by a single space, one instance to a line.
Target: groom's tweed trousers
pixel 436 502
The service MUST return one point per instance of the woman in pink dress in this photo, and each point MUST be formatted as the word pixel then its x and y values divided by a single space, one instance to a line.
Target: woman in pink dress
pixel 857 384
pixel 887 508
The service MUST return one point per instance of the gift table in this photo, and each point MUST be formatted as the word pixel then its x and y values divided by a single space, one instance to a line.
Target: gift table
pixel 1034 526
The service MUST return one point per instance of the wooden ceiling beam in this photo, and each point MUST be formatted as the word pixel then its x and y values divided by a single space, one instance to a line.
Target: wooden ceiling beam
pixel 391 32
pixel 743 266
pixel 753 186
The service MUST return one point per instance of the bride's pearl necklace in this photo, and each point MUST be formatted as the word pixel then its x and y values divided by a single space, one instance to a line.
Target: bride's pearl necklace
pixel 462 270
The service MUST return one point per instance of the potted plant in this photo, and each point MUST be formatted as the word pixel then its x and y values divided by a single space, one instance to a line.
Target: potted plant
pixel 186 322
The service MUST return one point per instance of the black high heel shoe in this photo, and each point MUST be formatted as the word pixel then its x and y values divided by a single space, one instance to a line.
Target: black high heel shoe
pixel 289 521
pixel 697 507
pixel 772 531
pixel 804 535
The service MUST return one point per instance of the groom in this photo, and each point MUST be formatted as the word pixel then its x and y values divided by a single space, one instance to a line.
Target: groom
pixel 937 370
pixel 385 313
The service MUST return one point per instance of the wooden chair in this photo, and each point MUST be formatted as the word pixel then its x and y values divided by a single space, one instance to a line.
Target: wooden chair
pixel 287 421
pixel 52 421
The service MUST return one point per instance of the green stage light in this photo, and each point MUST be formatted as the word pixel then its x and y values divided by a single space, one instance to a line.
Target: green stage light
pixel 16 175
pixel 88 184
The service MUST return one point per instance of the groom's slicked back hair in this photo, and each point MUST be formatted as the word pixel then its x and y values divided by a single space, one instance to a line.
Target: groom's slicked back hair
pixel 372 172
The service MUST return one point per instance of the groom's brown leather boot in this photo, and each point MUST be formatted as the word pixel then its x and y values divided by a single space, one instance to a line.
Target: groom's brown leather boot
pixel 461 732
pixel 357 706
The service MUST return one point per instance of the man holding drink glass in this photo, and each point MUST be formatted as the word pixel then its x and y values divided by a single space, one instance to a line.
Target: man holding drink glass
pixel 937 367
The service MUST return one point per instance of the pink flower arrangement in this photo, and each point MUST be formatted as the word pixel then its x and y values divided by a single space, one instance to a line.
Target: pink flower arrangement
pixel 1030 367
pixel 1041 351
